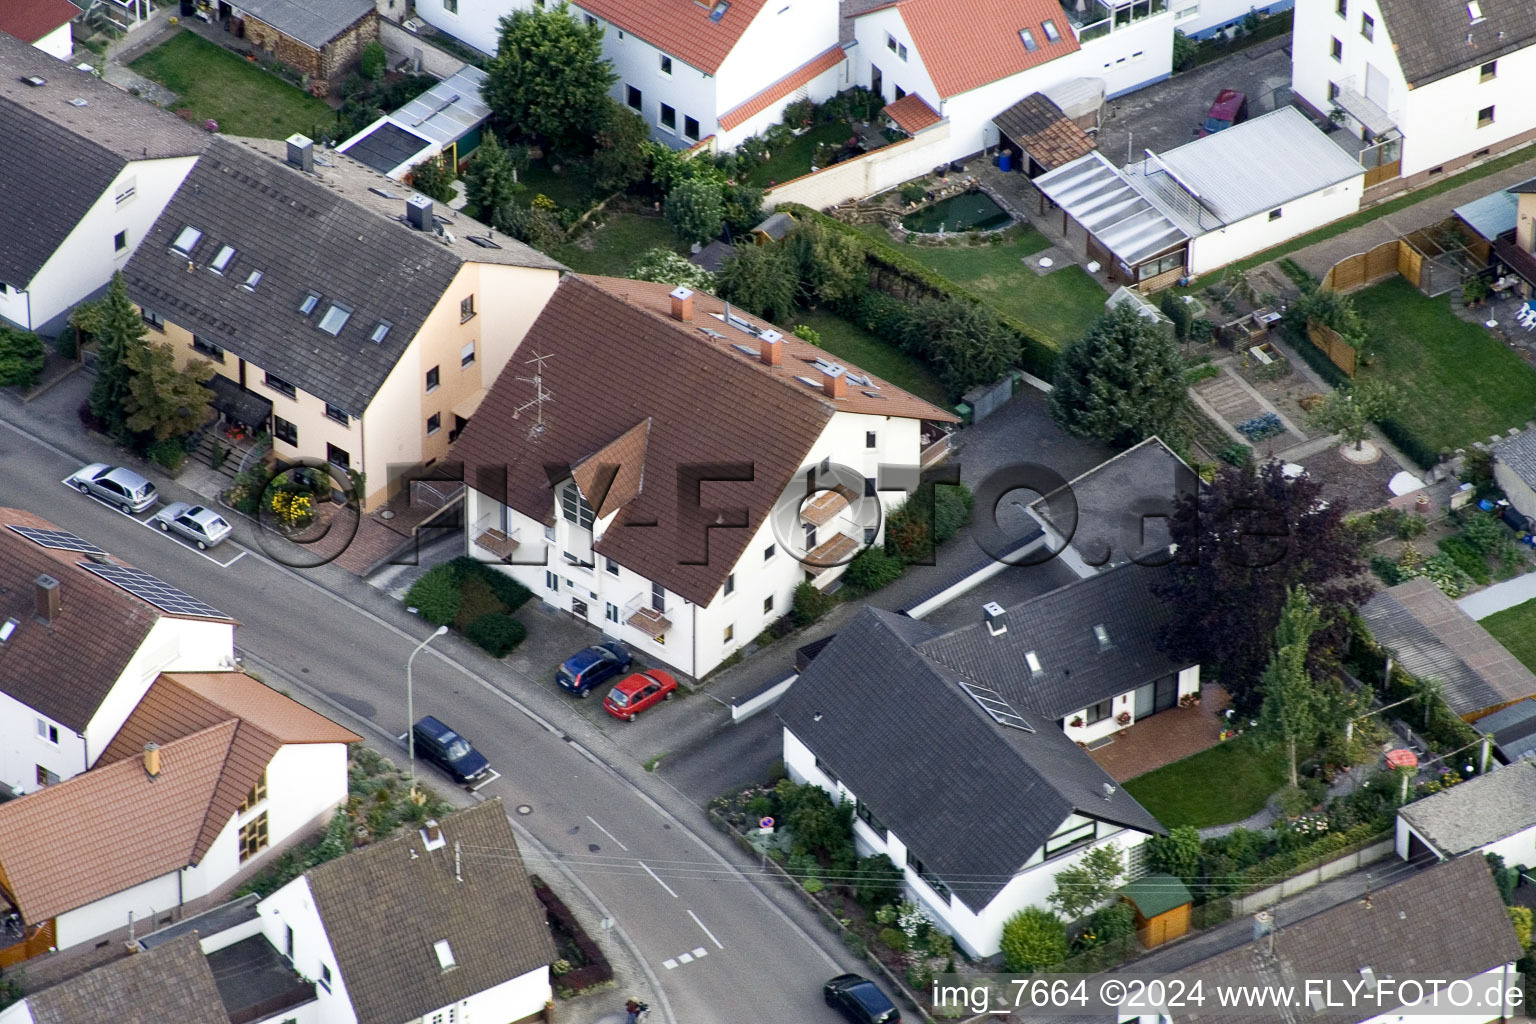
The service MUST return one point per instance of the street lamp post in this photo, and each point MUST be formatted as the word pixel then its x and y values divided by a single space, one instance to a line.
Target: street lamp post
pixel 410 703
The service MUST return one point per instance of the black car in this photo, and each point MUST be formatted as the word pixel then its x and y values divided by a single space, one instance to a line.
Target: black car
pixel 583 671
pixel 436 742
pixel 860 1000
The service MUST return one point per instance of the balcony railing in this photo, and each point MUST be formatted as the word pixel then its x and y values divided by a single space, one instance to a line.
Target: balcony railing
pixel 639 613
pixel 831 553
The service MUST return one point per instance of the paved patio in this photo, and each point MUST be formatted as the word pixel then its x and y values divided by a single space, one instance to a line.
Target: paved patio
pixel 1165 738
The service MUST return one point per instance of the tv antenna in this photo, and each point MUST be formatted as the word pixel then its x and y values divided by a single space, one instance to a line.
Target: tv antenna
pixel 540 395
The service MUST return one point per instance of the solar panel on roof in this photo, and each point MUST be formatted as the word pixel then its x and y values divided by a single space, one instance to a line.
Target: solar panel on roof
pixel 59 540
pixel 152 589
pixel 997 706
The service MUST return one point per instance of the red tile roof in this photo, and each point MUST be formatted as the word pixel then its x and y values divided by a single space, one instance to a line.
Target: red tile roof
pixel 681 28
pixel 912 113
pixel 30 20
pixel 965 45
pixel 804 74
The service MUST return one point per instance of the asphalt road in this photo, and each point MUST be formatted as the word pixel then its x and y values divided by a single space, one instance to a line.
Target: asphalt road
pixel 734 952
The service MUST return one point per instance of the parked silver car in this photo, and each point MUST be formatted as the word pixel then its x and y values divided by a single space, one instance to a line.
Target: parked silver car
pixel 202 526
pixel 116 486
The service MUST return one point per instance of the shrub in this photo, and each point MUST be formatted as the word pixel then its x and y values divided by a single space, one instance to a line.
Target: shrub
pixel 1177 853
pixel 813 885
pixel 894 938
pixel 1033 940
pixel 432 178
pixel 1110 924
pixel 67 344
pixel 810 603
pixel 920 975
pixel 374 61
pixel 696 210
pixel 913 192
pixel 169 454
pixel 436 595
pixel 872 569
pixel 1482 532
pixel 1467 559
pixel 21 358
pixel 496 633
pixel 1235 453
pixel 507 590
pixel 1186 54
pixel 1504 877
pixel 886 914
pixel 1520 917
pixel 807 333
pixel 855 943
pixel 876 880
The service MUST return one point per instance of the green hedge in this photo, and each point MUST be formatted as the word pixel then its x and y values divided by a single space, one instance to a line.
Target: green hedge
pixel 1271 870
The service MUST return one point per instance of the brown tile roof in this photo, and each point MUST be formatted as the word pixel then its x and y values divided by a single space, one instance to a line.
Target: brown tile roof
pixel 694 388
pixel 613 475
pixel 66 669
pixel 966 45
pixel 1047 134
pixel 1434 40
pixel 912 113
pixel 172 982
pixel 386 906
pixel 253 701
pixel 805 73
pixel 30 20
pixel 110 828
pixel 681 28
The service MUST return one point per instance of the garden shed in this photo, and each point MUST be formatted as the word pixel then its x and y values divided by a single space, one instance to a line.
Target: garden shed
pixel 322 38
pixel 446 119
pixel 1162 908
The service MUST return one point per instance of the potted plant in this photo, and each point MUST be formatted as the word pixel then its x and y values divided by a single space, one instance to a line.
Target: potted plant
pixel 1077 723
pixel 1474 291
pixel 1123 719
pixel 1189 700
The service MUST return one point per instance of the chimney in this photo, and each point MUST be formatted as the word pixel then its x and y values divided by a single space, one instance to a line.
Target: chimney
pixel 432 835
pixel 47 599
pixel 770 346
pixel 301 153
pixel 682 304
pixel 834 381
pixel 996 618
pixel 418 213
pixel 152 760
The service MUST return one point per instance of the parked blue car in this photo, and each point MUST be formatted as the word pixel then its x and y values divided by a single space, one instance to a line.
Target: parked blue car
pixel 585 670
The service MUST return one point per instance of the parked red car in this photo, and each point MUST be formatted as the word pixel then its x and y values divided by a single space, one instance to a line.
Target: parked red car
pixel 638 692
pixel 1230 108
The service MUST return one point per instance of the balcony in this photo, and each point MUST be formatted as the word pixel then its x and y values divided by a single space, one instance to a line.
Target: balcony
pixel 648 620
pixel 826 506
pixel 831 553
pixel 500 544
pixel 933 443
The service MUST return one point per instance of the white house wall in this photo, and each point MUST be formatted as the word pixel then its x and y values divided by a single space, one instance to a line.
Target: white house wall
pixel 1129 58
pixel 144 904
pixel 60 42
pixel 686 90
pixel 870 51
pixel 473 21
pixel 1201 19
pixel 1519 493
pixel 513 999
pixel 85 261
pixel 22 750
pixel 293 906
pixel 1257 233
pixel 17 1013
pixel 785 35
pixel 818 90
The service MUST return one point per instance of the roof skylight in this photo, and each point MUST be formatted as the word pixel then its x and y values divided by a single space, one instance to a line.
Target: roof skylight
pixel 380 331
pixel 252 280
pixel 310 302
pixel 187 240
pixel 1033 661
pixel 996 705
pixel 1051 32
pixel 221 261
pixel 444 953
pixel 719 10
pixel 335 318
pixel 1102 636
pixel 1028 39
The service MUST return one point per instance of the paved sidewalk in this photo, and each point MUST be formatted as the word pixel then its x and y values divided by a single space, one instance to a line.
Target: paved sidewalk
pixel 1499 596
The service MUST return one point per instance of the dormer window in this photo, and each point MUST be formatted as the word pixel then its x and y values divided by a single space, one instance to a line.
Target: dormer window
pixel 1051 32
pixel 1028 39
pixel 221 261
pixel 335 319
pixel 310 302
pixel 187 240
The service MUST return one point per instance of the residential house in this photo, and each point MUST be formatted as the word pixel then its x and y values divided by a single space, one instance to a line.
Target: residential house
pixel 1430 636
pixel 365 323
pixel 1498 231
pixel 1444 923
pixel 445 121
pixel 1492 813
pixel 692 70
pixel 1204 204
pixel 967 64
pixel 1206 19
pixel 210 774
pixel 1007 799
pixel 320 39
pixel 679 508
pixel 440 924
pixel 43 23
pixel 125 160
pixel 82 638
pixel 172 982
pixel 1428 87
pixel 1514 458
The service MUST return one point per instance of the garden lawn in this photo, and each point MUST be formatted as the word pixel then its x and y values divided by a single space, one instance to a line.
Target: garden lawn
pixel 611 249
pixel 1515 628
pixel 794 159
pixel 1057 307
pixel 1229 782
pixel 1460 384
pixel 215 84
pixel 569 188
pixel 868 352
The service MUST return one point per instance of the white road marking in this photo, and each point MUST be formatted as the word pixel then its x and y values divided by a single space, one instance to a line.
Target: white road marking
pixel 155 529
pixel 669 964
pixel 685 958
pixel 706 931
pixel 610 835
pixel 700 953
pixel 653 874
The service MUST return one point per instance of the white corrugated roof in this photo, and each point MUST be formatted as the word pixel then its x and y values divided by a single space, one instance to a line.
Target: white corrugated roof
pixel 448 110
pixel 1099 196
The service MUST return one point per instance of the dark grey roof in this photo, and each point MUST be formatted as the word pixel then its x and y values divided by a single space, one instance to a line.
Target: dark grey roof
pixel 1437 39
pixel 1528 185
pixel 385 907
pixel 169 983
pixel 1519 452
pixel 712 257
pixel 1477 812
pixel 255 981
pixel 325 233
pixel 1445 922
pixel 44 132
pixel 1432 637
pixel 1513 729
pixel 1076 669
pixel 387 147
pixel 312 22
pixel 776 226
pixel 209 922
pixel 971 798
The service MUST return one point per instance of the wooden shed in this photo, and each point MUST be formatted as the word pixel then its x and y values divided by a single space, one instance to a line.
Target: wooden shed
pixel 1162 908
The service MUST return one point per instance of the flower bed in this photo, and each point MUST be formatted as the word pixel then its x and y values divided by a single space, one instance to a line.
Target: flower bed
pixel 588 968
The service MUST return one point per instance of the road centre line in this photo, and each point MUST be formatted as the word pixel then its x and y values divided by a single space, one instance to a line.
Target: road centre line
pixel 706 931
pixel 653 874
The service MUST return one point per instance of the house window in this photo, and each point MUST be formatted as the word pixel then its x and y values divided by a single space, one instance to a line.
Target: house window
pixel 591 22
pixel 1367 26
pixel 900 92
pixel 668 118
pixel 1275 213
pixel 549 533
pixel 338 456
pixel 1051 32
pixel 666 64
pixel 48 731
pixel 658 597
pixel 871 439
pixel 257 794
pixel 467 309
pixel 769 552
pixel 120 241
pixel 1100 711
pixel 768 605
pixel 1488 72
pixel 611 613
pixel 152 318
pixel 433 377
pixel 284 431
pixel 574 507
pixel 434 423
pixel 208 349
pixel 1028 38
pixel 730 634
pixel 826 770
pixel 451 6
pixel 611 566
pixel 867 817
pixel 1333 91
pixel 336 414
pixel 551 581
pixel 46 777
pixel 633 97
pixel 1336 50
pixel 1485 117
pixel 279 385
pixel 933 880
pixel 1343 8
pixel 869 487
pixel 466 355
pixel 691 128
pixel 325 969
pixel 253 837
pixel 1069 839
pixel 335 319
pixel 1173 261
pixel 730 584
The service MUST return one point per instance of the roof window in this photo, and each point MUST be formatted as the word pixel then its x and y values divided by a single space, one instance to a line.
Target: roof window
pixel 335 318
pixel 1028 38
pixel 1033 661
pixel 7 628
pixel 221 261
pixel 310 302
pixel 1474 11
pixel 719 10
pixel 1051 31
pixel 252 280
pixel 187 240
pixel 380 332
pixel 444 953
pixel 996 706
pixel 1102 636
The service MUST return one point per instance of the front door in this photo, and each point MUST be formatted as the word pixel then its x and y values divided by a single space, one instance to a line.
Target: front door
pixel 1144 701
pixel 876 84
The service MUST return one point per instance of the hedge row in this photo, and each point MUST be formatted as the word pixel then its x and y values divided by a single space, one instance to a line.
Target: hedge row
pixel 899 275
pixel 1284 865
pixel 596 970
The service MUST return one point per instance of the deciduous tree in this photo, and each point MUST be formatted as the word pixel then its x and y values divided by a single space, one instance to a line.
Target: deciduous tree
pixel 549 81
pixel 162 400
pixel 1089 882
pixel 832 264
pixel 619 159
pixel 1121 382
pixel 433 179
pixel 760 279
pixel 696 210
pixel 1350 410
pixel 1295 706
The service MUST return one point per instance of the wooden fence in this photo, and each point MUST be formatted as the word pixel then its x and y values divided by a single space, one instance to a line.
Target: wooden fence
pixel 39 940
pixel 1366 268
pixel 1333 346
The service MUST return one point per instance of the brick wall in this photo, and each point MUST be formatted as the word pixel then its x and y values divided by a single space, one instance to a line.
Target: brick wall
pixel 343 52
pixel 333 61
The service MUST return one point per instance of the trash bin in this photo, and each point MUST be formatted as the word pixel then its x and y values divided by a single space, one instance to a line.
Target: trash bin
pixel 1005 161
